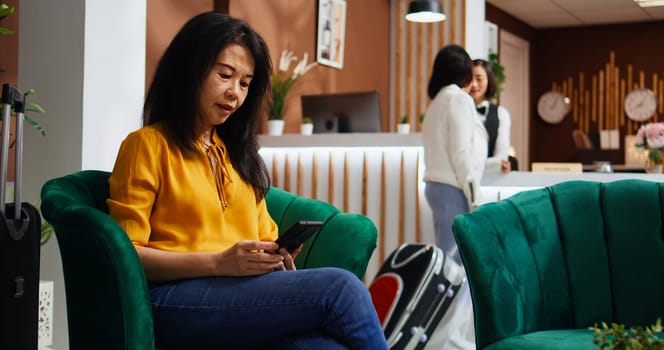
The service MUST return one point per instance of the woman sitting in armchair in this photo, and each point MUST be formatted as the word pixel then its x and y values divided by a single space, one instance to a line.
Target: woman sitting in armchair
pixel 189 189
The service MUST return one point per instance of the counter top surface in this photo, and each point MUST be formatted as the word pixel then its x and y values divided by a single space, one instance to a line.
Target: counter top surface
pixel 342 140
pixel 530 179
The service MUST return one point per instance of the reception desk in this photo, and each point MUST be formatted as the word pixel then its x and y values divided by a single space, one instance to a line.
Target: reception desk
pixel 380 175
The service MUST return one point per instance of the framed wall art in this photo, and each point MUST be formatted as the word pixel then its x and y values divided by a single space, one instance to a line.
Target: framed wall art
pixel 331 33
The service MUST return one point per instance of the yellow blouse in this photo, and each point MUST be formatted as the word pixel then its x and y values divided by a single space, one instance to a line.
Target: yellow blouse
pixel 166 201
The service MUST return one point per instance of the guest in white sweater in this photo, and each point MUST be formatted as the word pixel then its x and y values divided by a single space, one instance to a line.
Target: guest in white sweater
pixel 455 144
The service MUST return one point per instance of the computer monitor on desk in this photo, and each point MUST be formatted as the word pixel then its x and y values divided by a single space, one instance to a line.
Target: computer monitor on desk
pixel 343 112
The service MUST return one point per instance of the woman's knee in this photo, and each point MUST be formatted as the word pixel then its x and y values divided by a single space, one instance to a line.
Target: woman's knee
pixel 340 283
pixel 336 274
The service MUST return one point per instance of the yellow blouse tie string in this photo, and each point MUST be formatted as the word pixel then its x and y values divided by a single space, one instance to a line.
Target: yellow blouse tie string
pixel 215 154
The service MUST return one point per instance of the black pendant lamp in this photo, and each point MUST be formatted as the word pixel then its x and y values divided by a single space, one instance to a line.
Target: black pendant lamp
pixel 425 11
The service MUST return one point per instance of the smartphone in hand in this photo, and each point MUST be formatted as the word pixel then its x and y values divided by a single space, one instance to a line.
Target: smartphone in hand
pixel 298 234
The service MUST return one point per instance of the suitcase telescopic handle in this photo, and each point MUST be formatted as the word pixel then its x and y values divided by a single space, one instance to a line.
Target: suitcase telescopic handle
pixel 11 97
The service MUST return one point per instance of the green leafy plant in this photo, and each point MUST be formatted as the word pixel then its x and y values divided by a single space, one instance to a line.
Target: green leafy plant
pixel 283 79
pixel 4 12
pixel 616 337
pixel 307 120
pixel 404 119
pixel 33 107
pixel 421 118
pixel 47 229
pixel 498 73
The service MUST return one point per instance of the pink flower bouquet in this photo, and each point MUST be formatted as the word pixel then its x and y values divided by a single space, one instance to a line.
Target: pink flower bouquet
pixel 651 137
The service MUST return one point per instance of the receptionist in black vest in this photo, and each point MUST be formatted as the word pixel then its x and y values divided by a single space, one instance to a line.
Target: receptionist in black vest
pixel 496 118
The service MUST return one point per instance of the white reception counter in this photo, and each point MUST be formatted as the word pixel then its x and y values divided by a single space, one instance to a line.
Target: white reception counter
pixel 379 175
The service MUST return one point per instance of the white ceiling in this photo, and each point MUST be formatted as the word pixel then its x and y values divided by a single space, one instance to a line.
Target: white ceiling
pixel 572 13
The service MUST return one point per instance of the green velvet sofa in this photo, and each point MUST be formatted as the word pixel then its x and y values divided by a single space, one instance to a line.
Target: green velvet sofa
pixel 546 264
pixel 107 298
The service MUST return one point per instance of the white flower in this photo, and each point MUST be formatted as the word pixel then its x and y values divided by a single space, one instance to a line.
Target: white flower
pixel 285 61
pixel 650 136
pixel 283 79
pixel 656 142
pixel 302 66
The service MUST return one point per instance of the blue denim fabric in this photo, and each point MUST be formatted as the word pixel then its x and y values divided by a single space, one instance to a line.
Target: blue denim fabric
pixel 323 308
pixel 446 202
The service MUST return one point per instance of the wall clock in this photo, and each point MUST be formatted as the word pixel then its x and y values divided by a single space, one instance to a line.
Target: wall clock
pixel 640 104
pixel 552 107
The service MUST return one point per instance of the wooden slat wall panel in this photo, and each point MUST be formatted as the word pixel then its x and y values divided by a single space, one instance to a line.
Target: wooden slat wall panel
pixel 418 212
pixel 287 172
pixel 402 200
pixel 416 46
pixel 399 57
pixel 314 178
pixel 605 103
pixel 411 69
pixel 383 210
pixel 346 181
pixel 330 186
pixel 299 176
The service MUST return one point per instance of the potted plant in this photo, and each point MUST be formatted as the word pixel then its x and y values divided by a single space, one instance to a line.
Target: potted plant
pixel 617 337
pixel 282 80
pixel 307 126
pixel 404 125
pixel 650 137
pixel 498 74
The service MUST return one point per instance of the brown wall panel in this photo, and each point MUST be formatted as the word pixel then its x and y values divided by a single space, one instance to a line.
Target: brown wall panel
pixel 292 25
pixel 164 19
pixel 561 53
pixel 9 46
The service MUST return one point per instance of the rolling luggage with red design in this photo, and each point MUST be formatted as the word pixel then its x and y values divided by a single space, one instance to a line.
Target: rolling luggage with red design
pixel 20 233
pixel 412 291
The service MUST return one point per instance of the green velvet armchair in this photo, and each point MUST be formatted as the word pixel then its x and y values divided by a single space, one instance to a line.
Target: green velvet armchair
pixel 546 264
pixel 107 297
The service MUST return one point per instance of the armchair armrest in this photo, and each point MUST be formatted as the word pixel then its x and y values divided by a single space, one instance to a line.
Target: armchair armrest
pixel 100 264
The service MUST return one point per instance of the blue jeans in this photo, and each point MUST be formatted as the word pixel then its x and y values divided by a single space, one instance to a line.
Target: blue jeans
pixel 446 202
pixel 322 308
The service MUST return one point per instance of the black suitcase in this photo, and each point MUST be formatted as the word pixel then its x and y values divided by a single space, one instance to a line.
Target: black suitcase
pixel 20 234
pixel 412 291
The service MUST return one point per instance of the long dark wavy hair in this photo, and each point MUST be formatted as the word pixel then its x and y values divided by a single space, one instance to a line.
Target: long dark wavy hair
pixel 174 93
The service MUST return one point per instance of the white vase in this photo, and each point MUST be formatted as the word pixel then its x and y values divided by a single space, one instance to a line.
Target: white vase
pixel 652 167
pixel 403 128
pixel 275 127
pixel 306 129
